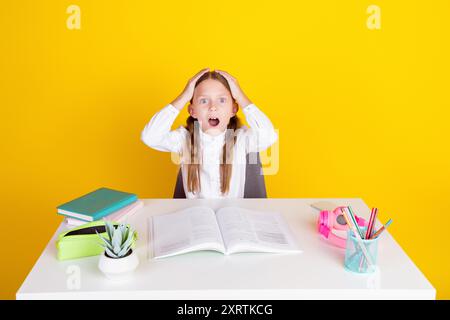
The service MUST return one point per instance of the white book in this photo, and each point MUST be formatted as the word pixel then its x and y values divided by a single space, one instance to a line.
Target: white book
pixel 73 222
pixel 229 230
pixel 125 213
pixel 120 216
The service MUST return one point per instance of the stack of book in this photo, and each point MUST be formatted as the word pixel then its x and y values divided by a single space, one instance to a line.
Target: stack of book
pixel 101 204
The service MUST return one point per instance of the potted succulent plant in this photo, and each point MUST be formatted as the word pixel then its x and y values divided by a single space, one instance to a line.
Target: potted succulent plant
pixel 119 259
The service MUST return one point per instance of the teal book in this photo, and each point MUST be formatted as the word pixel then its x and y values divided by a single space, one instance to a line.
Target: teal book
pixel 96 204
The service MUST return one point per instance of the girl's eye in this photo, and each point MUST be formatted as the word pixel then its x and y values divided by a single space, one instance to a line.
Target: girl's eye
pixel 202 100
pixel 222 100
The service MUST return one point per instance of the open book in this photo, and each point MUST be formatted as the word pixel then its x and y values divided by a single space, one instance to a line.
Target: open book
pixel 229 230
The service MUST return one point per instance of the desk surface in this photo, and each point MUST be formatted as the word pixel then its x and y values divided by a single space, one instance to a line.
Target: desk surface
pixel 316 273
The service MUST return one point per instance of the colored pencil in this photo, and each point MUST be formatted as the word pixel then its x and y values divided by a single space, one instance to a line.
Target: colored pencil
pixel 377 234
pixel 372 221
pixel 352 216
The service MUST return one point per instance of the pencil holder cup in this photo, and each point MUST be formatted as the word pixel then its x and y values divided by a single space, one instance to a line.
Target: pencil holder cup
pixel 357 259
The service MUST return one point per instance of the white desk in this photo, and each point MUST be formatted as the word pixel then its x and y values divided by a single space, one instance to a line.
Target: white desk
pixel 317 273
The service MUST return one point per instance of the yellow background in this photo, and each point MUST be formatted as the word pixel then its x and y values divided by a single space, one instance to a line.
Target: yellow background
pixel 361 113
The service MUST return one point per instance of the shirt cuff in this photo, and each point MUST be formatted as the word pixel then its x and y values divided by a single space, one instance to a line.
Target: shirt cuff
pixel 173 109
pixel 249 108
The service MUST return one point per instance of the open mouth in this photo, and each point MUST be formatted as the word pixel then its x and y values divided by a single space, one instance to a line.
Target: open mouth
pixel 213 122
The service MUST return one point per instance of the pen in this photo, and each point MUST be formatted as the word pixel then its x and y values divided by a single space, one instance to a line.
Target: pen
pixel 382 229
pixel 371 225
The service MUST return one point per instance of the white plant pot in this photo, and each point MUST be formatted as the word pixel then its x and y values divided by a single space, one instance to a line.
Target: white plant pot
pixel 118 269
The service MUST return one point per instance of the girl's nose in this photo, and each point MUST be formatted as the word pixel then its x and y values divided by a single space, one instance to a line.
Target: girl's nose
pixel 212 107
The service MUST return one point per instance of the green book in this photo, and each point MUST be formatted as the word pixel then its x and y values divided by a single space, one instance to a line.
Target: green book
pixel 96 204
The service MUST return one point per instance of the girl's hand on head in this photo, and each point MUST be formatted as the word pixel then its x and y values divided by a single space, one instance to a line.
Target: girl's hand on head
pixel 188 91
pixel 236 90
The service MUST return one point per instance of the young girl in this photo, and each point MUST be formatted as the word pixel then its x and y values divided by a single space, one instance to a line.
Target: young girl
pixel 213 145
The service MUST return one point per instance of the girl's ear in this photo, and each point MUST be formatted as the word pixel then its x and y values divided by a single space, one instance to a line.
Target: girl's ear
pixel 235 108
pixel 191 111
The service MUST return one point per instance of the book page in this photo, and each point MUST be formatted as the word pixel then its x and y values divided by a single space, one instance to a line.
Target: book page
pixel 187 230
pixel 246 230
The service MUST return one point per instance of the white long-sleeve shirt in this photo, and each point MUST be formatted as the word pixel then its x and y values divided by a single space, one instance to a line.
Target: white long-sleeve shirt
pixel 158 135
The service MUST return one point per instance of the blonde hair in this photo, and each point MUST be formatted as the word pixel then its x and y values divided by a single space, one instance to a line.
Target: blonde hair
pixel 193 156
